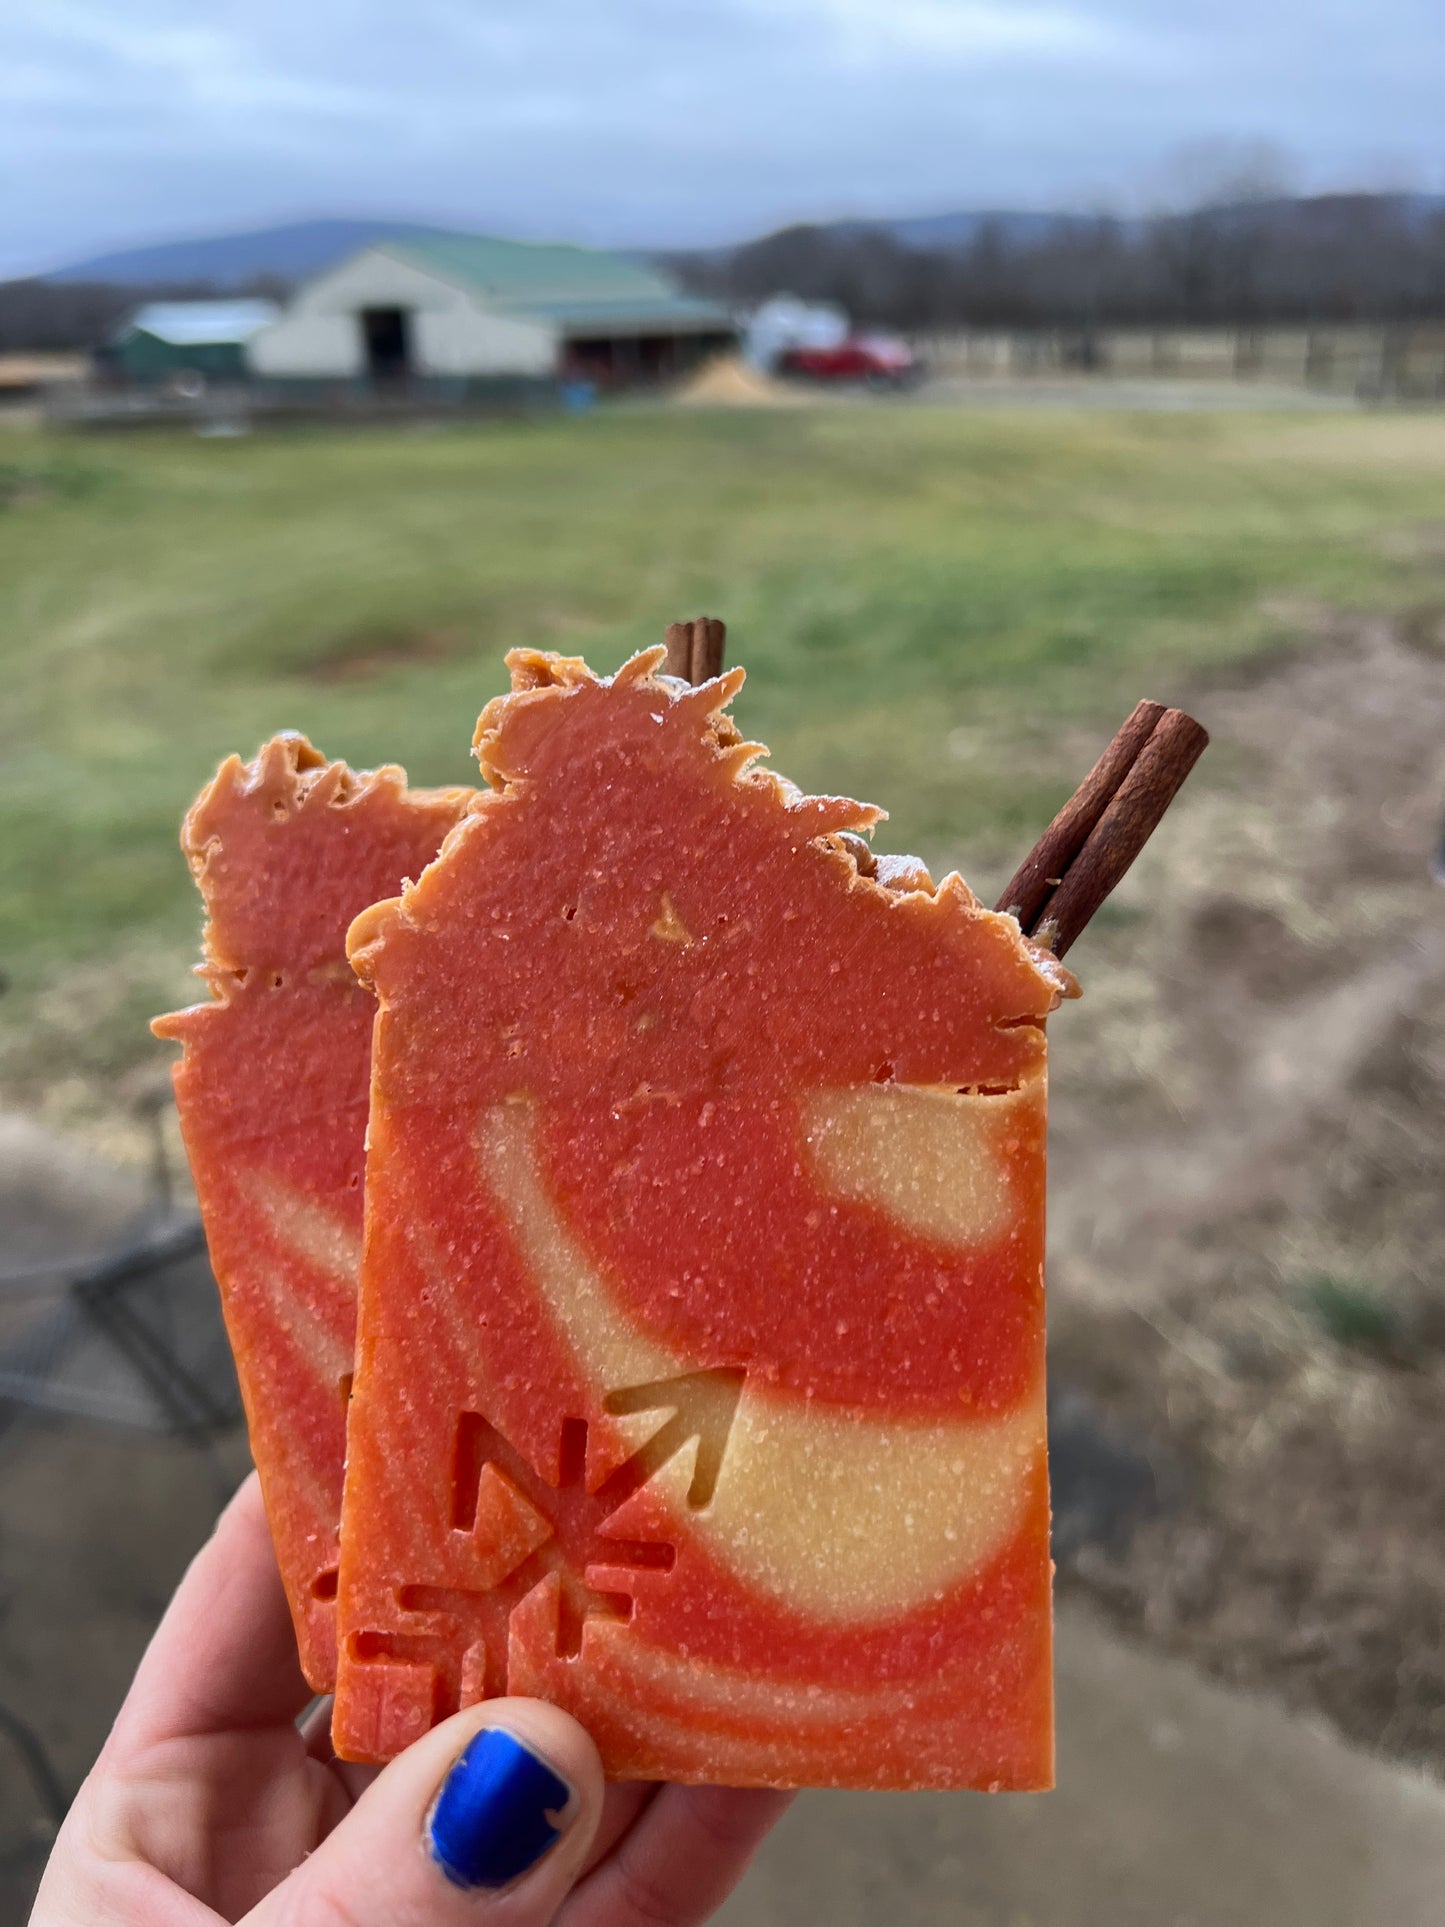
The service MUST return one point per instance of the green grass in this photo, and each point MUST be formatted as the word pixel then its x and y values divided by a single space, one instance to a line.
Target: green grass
pixel 1355 1316
pixel 919 595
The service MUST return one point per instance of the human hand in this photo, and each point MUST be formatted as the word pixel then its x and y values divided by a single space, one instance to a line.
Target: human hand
pixel 209 1804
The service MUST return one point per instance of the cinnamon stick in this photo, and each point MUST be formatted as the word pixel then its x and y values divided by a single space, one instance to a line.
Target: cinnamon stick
pixel 695 649
pixel 1104 825
pixel 1042 869
pixel 709 639
pixel 679 651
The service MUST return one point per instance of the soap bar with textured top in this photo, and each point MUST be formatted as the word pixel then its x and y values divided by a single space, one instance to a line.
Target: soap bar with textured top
pixel 700 1362
pixel 272 1095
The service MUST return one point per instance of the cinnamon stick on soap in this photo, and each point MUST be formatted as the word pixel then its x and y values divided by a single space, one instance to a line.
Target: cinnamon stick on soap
pixel 695 649
pixel 272 1095
pixel 700 1352
pixel 1104 825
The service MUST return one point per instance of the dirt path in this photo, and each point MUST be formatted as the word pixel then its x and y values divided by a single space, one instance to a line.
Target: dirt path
pixel 1245 1264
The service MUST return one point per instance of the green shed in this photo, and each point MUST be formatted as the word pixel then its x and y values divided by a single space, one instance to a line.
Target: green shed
pixel 168 340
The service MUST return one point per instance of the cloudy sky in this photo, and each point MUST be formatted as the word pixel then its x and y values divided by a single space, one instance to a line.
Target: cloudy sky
pixel 679 120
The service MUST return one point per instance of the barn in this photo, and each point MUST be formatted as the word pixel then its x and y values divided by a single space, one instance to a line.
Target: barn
pixel 462 314
pixel 168 341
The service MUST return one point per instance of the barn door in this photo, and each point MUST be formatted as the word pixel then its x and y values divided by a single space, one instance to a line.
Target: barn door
pixel 387 333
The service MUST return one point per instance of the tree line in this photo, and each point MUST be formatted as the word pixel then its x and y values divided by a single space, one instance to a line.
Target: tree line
pixel 72 317
pixel 1355 257
pixel 1327 258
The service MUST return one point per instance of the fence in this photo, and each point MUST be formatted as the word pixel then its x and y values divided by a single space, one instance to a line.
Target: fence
pixel 1403 362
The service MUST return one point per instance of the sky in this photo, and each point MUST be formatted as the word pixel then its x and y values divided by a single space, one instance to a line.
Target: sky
pixel 669 122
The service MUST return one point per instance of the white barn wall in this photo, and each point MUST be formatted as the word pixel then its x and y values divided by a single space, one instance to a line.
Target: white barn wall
pixel 320 336
pixel 467 340
pixel 317 347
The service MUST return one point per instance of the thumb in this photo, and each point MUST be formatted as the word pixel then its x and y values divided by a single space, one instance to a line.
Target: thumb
pixel 485 1819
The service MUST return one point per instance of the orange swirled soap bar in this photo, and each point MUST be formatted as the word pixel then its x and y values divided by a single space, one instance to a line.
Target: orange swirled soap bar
pixel 272 1095
pixel 700 1359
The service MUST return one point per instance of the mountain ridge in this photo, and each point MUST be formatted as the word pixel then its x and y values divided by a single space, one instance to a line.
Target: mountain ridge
pixel 294 250
pixel 289 251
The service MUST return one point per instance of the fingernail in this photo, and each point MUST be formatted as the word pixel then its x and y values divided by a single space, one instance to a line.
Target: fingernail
pixel 493 1816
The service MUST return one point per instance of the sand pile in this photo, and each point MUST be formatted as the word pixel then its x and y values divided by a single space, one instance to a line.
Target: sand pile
pixel 727 381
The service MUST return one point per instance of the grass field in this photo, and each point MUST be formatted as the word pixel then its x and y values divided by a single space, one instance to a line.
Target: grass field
pixel 921 596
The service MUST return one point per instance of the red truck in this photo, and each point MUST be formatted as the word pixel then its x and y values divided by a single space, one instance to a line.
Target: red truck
pixel 879 360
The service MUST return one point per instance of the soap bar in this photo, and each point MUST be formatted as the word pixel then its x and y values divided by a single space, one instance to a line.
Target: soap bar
pixel 700 1357
pixel 272 1095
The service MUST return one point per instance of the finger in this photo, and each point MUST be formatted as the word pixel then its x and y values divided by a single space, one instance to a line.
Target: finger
pixel 621 1806
pixel 681 1861
pixel 486 1819
pixel 223 1659
pixel 621 1803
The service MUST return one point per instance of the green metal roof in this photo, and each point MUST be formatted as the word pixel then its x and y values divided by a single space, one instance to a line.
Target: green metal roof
pixel 576 288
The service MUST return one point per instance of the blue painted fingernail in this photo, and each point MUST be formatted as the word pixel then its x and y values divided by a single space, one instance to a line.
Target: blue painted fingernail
pixel 493 1817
